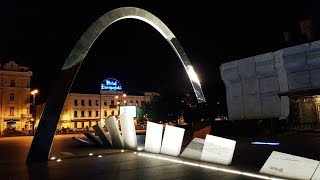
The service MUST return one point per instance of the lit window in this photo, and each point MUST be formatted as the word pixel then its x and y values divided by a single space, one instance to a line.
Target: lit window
pixel 97 102
pixel 11 111
pixel 105 102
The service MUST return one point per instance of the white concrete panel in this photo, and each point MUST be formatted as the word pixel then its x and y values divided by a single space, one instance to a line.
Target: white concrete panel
pixel 230 76
pixel 128 130
pixel 299 80
pixel 270 84
pixel 194 149
pixel 247 69
pixel 295 63
pixel 315 78
pixel 153 137
pixel 271 105
pixel 313 59
pixel 113 129
pixel 251 98
pixel 266 69
pixel 172 140
pixel 235 101
pixel 285 107
pixel 289 166
pixel 218 150
pixel 316 175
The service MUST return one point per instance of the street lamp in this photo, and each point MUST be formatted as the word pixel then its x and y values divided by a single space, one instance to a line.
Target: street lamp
pixel 120 100
pixel 34 92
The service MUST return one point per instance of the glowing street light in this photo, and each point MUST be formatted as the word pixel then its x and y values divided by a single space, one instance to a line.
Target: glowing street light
pixel 34 92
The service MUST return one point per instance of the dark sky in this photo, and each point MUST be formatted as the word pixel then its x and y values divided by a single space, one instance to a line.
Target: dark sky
pixel 41 34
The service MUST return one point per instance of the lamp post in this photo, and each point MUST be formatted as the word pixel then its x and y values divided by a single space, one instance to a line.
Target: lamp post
pixel 34 92
pixel 120 100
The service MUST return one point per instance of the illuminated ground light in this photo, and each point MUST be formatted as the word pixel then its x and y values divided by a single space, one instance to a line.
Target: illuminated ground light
pixel 122 150
pixel 139 149
pixel 58 160
pixel 210 167
pixel 53 158
pixel 266 143
pixel 99 156
pixel 90 154
pixel 134 152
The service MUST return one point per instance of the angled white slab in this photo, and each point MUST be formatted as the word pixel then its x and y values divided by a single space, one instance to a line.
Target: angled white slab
pixel 153 137
pixel 113 128
pixel 82 140
pixel 289 166
pixel 106 141
pixel 316 175
pixel 172 140
pixel 128 130
pixel 218 150
pixel 194 149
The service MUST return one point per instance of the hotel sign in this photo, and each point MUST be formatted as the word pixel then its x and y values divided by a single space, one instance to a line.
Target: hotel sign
pixel 111 84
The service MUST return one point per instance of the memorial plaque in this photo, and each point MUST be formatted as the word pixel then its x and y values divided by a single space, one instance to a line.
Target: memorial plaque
pixel 128 130
pixel 289 166
pixel 102 135
pixel 194 149
pixel 113 129
pixel 218 150
pixel 153 137
pixel 172 140
pixel 316 174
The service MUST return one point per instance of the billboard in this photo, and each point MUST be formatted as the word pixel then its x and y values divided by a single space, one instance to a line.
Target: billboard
pixel 131 109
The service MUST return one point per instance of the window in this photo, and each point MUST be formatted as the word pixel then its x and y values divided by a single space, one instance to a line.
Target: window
pixel 112 102
pixel 90 104
pixel 76 102
pixel 82 113
pixel 97 113
pixel 105 102
pixel 11 111
pixel 112 112
pixel 97 102
pixel 82 102
pixel 137 103
pixel 105 113
pixel 131 102
pixel 90 114
pixel 11 97
pixel 75 114
pixel 12 83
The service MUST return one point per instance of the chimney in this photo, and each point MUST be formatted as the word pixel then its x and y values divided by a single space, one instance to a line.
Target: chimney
pixel 306 29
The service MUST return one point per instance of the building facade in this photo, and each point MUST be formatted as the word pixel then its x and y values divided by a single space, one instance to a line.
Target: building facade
pixel 284 84
pixel 15 97
pixel 83 111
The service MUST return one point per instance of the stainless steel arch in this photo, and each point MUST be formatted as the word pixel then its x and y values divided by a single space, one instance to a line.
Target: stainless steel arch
pixel 41 144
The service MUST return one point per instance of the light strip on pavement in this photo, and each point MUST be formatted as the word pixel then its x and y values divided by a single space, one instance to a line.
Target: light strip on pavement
pixel 209 167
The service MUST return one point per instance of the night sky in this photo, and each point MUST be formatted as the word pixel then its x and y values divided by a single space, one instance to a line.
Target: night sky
pixel 41 35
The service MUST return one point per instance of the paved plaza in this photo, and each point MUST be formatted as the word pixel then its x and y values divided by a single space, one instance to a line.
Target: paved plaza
pixel 76 163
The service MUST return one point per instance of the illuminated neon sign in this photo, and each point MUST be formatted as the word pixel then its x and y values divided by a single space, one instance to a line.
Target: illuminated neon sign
pixel 111 84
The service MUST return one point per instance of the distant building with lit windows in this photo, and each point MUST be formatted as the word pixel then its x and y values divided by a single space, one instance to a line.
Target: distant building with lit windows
pixel 85 110
pixel 14 97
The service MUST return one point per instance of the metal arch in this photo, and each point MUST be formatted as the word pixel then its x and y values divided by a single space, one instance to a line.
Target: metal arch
pixel 42 142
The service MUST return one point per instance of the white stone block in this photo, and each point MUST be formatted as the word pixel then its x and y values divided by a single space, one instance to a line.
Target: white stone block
pixel 172 140
pixel 114 132
pixel 218 150
pixel 128 130
pixel 153 137
pixel 289 166
pixel 194 149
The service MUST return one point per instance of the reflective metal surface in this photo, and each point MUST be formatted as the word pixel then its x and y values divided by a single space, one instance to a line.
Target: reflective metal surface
pixel 41 144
